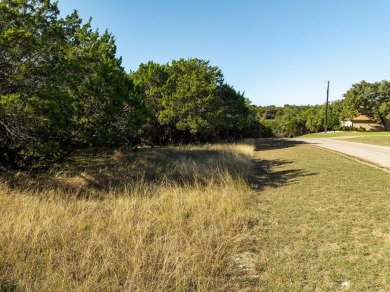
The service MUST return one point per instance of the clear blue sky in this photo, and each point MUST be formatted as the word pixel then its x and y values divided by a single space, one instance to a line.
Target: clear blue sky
pixel 277 51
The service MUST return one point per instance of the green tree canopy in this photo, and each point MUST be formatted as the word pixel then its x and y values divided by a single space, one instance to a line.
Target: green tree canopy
pixel 191 96
pixel 187 100
pixel 61 85
pixel 371 99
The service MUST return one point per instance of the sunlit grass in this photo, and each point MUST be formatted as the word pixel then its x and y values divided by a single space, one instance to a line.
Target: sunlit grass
pixel 374 140
pixel 345 134
pixel 324 228
pixel 182 219
pixel 153 220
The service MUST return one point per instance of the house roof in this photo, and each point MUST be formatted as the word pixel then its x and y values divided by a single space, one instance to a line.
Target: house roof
pixel 362 118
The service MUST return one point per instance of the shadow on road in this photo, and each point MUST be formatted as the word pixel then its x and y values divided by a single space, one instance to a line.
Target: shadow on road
pixel 272 173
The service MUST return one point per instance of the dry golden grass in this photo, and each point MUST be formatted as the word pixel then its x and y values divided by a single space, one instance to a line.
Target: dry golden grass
pixel 155 220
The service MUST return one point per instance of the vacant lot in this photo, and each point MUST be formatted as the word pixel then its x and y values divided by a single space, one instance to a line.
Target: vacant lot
pixel 200 218
pixel 324 221
pixel 164 219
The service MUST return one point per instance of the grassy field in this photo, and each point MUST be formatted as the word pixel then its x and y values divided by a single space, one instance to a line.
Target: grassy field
pixel 199 218
pixel 346 134
pixel 382 140
pixel 324 221
pixel 162 219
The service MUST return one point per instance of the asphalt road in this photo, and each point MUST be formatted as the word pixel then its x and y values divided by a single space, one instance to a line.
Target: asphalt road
pixel 379 155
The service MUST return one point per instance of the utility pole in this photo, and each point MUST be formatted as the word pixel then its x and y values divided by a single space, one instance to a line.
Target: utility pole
pixel 326 108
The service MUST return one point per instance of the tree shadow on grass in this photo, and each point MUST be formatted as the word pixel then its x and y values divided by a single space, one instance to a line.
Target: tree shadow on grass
pixel 276 143
pixel 91 174
pixel 265 172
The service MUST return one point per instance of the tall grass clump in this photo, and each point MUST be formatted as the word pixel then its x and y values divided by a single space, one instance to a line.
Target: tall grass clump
pixel 167 219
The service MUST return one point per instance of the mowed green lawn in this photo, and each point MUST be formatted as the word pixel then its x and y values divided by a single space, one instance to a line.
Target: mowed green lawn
pixel 345 134
pixel 324 221
pixel 375 138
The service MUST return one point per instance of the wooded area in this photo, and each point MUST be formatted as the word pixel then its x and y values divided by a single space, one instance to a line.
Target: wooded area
pixel 62 88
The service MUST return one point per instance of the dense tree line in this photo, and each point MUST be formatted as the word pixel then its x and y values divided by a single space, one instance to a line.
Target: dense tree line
pixel 293 120
pixel 188 101
pixel 62 87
